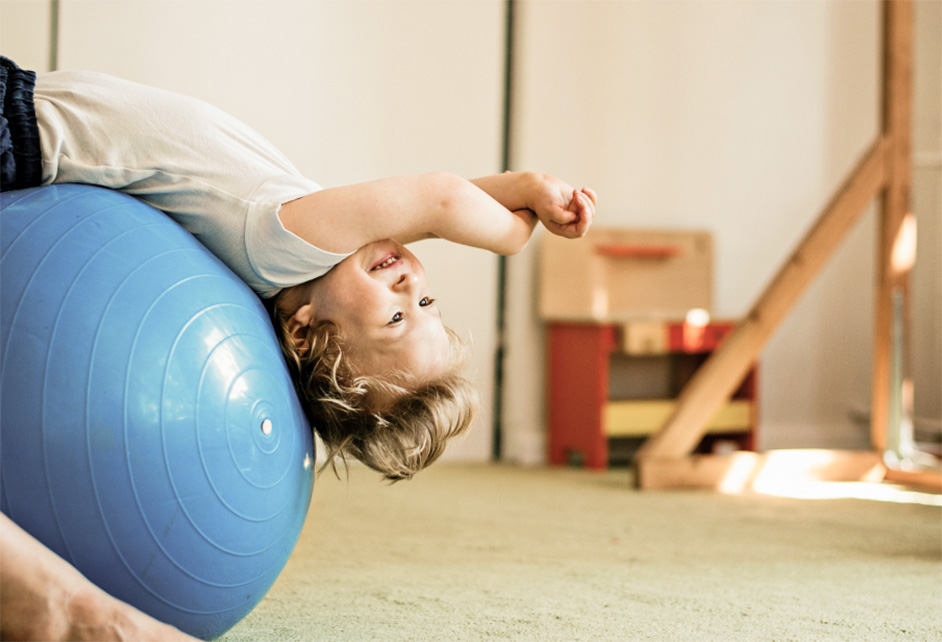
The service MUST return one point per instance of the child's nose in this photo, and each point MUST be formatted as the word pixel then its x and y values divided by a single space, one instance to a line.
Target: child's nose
pixel 406 281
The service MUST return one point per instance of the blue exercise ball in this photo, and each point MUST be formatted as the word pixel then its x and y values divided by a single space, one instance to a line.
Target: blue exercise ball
pixel 151 435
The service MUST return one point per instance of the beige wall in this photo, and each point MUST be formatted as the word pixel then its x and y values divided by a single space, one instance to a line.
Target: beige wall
pixel 927 204
pixel 738 117
pixel 25 32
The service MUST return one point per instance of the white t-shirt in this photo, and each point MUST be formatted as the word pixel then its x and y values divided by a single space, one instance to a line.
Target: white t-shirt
pixel 214 175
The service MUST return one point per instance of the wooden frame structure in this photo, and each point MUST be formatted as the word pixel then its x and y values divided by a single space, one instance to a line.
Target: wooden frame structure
pixel 664 461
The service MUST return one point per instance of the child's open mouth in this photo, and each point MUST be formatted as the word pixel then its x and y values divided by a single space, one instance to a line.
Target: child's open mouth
pixel 385 263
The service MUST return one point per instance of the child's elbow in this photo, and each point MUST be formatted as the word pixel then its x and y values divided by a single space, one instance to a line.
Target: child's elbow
pixel 447 189
pixel 514 246
pixel 521 232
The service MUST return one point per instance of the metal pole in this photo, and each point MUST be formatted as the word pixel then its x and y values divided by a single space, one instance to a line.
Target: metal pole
pixel 53 35
pixel 497 423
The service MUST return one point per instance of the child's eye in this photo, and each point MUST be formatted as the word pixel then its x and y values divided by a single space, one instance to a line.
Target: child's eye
pixel 426 301
pixel 396 318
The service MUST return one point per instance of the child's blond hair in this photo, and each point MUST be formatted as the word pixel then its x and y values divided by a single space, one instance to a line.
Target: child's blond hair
pixel 398 438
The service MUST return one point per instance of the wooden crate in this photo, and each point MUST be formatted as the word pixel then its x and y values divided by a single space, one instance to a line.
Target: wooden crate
pixel 618 274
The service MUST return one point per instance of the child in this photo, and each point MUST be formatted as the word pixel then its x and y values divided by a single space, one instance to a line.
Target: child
pixel 374 367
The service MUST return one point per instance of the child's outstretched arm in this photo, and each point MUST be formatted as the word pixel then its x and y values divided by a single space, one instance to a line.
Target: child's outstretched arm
pixel 495 213
pixel 563 210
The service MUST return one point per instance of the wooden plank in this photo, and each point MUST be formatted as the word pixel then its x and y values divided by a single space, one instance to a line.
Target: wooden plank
pixel 642 417
pixel 897 128
pixel 744 471
pixel 716 380
pixel 929 479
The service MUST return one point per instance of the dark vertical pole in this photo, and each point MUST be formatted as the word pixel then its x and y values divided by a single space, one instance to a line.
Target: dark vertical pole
pixel 53 35
pixel 502 260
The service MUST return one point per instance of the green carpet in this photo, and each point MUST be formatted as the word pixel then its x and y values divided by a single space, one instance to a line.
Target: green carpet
pixel 503 553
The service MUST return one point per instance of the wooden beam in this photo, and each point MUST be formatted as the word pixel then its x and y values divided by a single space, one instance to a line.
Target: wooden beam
pixel 929 479
pixel 744 471
pixel 897 128
pixel 716 380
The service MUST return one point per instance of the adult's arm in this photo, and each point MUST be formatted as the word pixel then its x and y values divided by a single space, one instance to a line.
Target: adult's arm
pixel 43 597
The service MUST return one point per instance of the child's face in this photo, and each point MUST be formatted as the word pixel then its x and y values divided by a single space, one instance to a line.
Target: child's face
pixel 380 300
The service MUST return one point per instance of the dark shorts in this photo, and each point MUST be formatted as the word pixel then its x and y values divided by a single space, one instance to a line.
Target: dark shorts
pixel 20 155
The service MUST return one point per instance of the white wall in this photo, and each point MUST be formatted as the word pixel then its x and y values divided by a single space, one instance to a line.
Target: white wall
pixel 24 32
pixel 348 90
pixel 738 117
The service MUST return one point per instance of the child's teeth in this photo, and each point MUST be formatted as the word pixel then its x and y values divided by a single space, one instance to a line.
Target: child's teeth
pixel 386 263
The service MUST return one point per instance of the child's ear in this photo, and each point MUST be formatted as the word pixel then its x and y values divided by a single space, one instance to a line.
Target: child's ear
pixel 299 326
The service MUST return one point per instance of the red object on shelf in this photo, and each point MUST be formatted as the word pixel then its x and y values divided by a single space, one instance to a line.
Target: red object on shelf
pixel 687 337
pixel 618 251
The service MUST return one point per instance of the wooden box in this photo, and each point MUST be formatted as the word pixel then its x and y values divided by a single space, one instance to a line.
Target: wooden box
pixel 618 274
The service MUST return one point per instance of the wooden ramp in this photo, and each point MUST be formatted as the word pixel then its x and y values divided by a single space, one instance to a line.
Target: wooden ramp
pixel 665 460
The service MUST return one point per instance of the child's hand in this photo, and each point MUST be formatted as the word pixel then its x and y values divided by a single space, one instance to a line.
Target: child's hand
pixel 564 211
